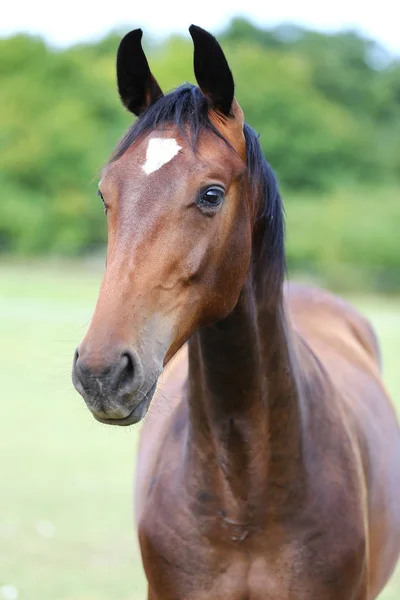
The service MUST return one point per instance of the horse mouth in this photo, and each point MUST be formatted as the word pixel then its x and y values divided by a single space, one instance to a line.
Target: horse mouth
pixel 137 413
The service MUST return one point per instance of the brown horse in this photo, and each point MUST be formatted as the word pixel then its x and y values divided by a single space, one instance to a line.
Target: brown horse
pixel 273 469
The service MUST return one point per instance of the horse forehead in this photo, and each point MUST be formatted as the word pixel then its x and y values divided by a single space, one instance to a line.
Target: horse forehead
pixel 142 158
pixel 159 152
pixel 146 158
pixel 169 146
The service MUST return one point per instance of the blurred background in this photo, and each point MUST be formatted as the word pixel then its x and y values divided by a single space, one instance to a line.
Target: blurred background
pixel 322 87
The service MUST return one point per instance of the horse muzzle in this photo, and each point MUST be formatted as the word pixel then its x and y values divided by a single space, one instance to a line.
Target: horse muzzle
pixel 114 387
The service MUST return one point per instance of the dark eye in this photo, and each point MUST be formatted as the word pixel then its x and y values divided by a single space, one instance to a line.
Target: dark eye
pixel 211 197
pixel 103 201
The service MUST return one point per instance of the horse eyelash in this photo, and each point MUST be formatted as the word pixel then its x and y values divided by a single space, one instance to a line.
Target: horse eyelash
pixel 102 199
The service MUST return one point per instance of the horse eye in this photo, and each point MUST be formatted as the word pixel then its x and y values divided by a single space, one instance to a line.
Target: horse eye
pixel 211 197
pixel 103 201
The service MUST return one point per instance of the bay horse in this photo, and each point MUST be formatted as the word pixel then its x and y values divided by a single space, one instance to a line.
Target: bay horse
pixel 269 464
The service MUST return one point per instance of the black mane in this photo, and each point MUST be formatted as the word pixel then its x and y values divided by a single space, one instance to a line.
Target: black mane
pixel 187 109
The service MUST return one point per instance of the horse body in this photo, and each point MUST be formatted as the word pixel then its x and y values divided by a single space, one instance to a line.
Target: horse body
pixel 269 465
pixel 328 529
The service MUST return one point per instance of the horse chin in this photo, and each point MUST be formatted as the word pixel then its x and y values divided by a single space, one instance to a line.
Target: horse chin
pixel 137 413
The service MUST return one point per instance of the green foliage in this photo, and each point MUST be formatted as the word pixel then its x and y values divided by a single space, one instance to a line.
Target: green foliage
pixel 327 108
pixel 349 239
pixel 336 99
pixel 59 118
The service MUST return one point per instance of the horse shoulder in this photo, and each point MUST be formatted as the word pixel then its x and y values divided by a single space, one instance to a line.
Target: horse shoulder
pixel 353 427
pixel 321 315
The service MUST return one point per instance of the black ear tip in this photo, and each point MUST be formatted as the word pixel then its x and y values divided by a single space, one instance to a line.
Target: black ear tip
pixel 134 36
pixel 131 42
pixel 198 32
pixel 132 39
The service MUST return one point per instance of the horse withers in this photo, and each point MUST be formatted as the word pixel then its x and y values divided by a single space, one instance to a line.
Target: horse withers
pixel 269 464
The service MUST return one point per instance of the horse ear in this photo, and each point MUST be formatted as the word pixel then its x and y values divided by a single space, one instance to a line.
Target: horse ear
pixel 136 85
pixel 212 70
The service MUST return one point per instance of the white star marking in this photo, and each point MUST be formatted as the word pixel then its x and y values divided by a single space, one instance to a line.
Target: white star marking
pixel 159 152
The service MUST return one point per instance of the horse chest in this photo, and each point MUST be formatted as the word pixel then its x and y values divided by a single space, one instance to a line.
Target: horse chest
pixel 180 564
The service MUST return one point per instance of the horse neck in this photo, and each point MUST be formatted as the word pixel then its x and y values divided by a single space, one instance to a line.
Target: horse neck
pixel 244 404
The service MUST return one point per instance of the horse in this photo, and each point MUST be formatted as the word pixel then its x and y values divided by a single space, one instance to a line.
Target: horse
pixel 269 462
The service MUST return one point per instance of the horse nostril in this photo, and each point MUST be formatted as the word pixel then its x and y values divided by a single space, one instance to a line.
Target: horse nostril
pixel 77 375
pixel 128 376
pixel 127 372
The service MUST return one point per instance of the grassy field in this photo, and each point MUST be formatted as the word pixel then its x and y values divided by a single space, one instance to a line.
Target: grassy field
pixel 66 524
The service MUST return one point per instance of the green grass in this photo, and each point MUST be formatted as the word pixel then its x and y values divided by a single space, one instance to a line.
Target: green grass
pixel 66 519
